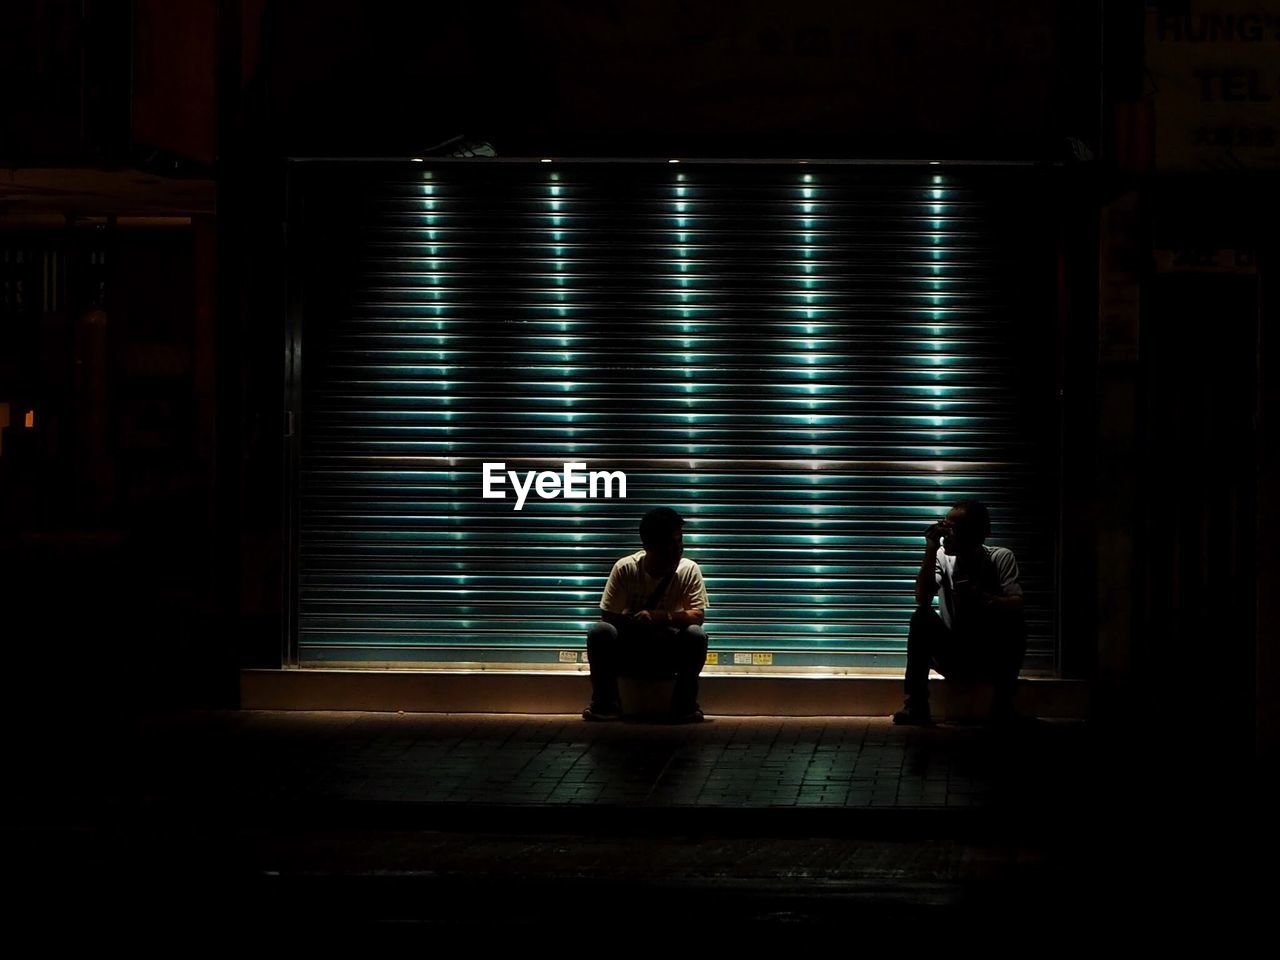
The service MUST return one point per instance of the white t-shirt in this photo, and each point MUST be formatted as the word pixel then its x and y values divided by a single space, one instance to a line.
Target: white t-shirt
pixel 629 587
pixel 996 573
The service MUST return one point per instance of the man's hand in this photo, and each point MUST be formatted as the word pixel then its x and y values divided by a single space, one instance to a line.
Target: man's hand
pixel 934 534
pixel 969 596
pixel 993 601
pixel 619 620
pixel 689 617
pixel 680 618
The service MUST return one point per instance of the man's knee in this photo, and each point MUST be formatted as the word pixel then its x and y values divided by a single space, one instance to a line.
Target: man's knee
pixel 1016 652
pixel 600 636
pixel 1011 637
pixel 690 648
pixel 926 628
pixel 694 634
pixel 924 616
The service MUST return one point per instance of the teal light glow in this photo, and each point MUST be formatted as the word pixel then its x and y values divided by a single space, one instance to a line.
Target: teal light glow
pixel 563 295
pixel 938 343
pixel 437 280
pixel 808 364
pixel 686 276
pixel 803 270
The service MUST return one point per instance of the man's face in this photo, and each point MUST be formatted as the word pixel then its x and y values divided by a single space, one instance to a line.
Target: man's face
pixel 664 556
pixel 957 542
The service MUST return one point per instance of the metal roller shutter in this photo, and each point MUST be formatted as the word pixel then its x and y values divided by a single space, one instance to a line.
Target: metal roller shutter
pixel 809 362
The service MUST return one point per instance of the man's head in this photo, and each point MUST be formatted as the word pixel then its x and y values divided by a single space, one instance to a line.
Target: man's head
pixel 661 533
pixel 970 527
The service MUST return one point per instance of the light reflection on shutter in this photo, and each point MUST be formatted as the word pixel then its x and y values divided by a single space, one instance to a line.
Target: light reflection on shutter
pixel 808 363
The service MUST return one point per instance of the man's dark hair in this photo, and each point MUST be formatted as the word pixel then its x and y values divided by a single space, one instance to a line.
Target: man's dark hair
pixel 976 518
pixel 658 525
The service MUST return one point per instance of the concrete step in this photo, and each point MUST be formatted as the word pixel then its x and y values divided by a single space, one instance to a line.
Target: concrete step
pixel 562 692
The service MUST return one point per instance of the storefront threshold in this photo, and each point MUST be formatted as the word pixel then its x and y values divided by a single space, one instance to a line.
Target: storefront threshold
pixel 565 692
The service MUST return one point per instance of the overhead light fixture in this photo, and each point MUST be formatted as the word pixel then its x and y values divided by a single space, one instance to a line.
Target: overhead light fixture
pixel 460 146
pixel 473 148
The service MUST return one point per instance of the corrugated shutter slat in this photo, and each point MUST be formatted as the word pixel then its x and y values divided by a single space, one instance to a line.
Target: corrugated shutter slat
pixel 809 365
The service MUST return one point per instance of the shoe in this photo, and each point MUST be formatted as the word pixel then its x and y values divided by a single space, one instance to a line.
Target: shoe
pixel 911 715
pixel 602 712
pixel 691 715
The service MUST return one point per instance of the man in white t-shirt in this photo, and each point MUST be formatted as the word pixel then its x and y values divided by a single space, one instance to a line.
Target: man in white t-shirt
pixel 979 631
pixel 651 616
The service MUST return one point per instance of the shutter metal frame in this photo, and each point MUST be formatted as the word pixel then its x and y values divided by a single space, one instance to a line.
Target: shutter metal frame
pixel 818 207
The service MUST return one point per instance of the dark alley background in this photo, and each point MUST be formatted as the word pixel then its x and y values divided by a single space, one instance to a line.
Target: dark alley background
pixel 143 547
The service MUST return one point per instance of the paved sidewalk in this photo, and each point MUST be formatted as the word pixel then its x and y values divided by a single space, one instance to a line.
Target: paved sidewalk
pixel 257 818
pixel 306 758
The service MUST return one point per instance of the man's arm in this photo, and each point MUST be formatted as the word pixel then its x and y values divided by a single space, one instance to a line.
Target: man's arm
pixel 693 605
pixel 1010 596
pixel 1001 603
pixel 686 617
pixel 926 580
pixel 613 600
pixel 927 577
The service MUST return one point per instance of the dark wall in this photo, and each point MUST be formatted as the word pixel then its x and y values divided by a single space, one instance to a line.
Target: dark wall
pixel 174 89
pixel 1001 80
pixel 65 67
pixel 245 83
pixel 756 78
pixel 105 524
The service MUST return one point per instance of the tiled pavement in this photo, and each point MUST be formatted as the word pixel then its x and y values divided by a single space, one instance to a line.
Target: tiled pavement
pixel 383 818
pixel 302 758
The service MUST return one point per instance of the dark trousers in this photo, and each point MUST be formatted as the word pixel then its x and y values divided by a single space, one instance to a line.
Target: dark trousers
pixel 638 649
pixel 990 652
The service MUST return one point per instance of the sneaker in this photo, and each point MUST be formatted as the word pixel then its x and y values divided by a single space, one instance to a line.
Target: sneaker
pixel 911 715
pixel 691 715
pixel 602 712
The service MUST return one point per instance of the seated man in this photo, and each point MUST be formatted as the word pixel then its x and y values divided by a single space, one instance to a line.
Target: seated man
pixel 979 631
pixel 651 618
